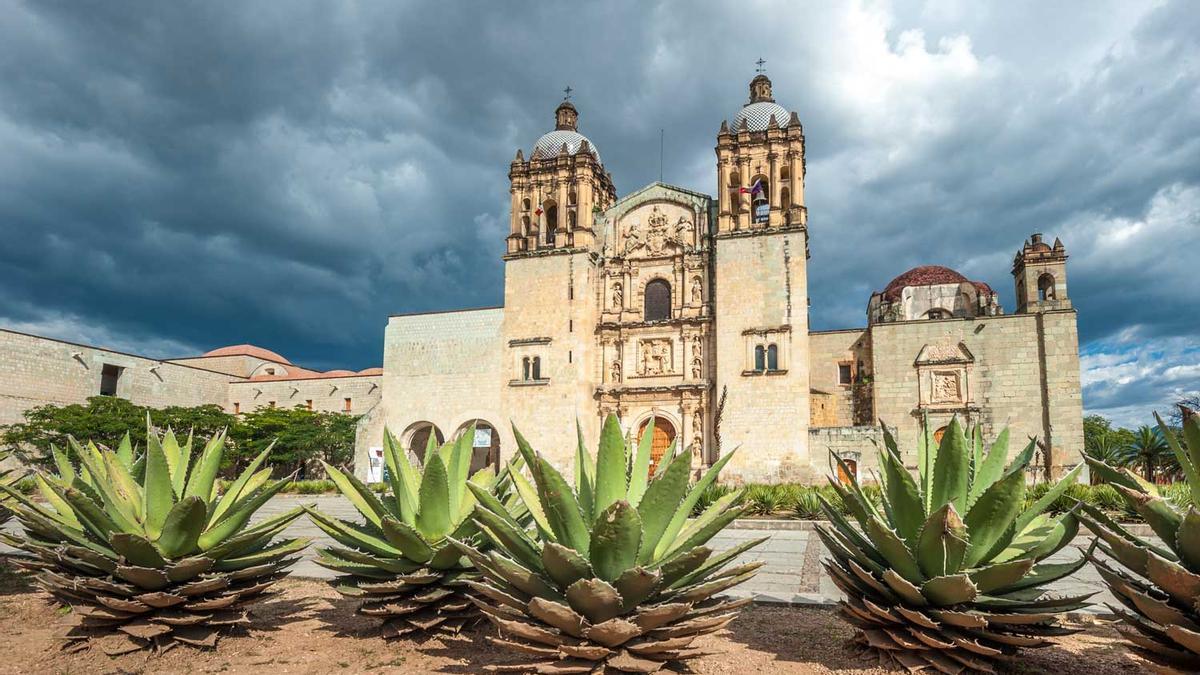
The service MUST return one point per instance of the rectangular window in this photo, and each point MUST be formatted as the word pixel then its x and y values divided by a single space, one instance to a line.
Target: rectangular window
pixel 237 408
pixel 270 404
pixel 845 373
pixel 346 405
pixel 109 376
pixel 308 403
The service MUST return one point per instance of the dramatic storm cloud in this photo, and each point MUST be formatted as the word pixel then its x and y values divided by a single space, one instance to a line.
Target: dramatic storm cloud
pixel 179 176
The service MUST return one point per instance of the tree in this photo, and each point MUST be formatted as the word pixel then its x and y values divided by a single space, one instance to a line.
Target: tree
pixel 300 437
pixel 1148 449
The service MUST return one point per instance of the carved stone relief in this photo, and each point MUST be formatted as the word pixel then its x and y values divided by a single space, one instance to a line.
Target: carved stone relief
pixel 656 357
pixel 657 234
pixel 946 387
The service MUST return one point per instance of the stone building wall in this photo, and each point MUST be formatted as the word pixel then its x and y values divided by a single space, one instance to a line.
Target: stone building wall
pixel 443 369
pixel 237 365
pixel 327 394
pixel 39 371
pixel 1004 379
pixel 761 291
pixel 850 443
pixel 828 350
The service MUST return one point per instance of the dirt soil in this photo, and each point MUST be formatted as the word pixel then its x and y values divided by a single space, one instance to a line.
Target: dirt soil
pixel 309 628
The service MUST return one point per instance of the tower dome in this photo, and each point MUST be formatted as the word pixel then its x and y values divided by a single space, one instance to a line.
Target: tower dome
pixel 565 133
pixel 758 111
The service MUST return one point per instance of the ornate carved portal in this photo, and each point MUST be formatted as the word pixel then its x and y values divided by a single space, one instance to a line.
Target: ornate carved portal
pixel 657 236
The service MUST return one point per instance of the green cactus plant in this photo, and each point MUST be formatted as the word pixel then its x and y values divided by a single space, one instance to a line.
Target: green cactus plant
pixel 948 573
pixel 399 562
pixel 613 576
pixel 147 553
pixel 1157 584
pixel 9 478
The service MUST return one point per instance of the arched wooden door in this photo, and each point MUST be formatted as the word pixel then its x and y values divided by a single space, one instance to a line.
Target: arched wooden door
pixel 664 433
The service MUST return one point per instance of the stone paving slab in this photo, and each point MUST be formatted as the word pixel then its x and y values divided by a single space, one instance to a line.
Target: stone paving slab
pixel 792 552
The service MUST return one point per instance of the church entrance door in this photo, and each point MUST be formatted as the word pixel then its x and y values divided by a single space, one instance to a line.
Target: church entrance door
pixel 664 433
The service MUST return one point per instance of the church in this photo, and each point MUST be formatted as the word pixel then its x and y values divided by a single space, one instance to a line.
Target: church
pixel 690 311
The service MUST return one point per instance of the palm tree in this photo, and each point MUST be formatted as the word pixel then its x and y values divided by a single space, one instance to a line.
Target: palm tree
pixel 1147 449
pixel 1108 449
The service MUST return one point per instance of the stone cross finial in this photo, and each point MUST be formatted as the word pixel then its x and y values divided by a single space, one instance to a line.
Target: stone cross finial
pixel 760 63
pixel 567 92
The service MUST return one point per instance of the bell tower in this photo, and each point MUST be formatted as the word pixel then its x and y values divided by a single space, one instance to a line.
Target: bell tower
pixel 760 289
pixel 558 190
pixel 1040 274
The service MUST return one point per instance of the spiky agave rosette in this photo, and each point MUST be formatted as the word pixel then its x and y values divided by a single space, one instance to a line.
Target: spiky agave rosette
pixel 8 477
pixel 149 554
pixel 1157 584
pixel 613 575
pixel 399 562
pixel 930 589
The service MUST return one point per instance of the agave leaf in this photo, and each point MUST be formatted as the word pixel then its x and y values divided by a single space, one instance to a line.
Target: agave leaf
pixel 1043 575
pixel 713 564
pixel 521 578
pixel 1000 576
pixel 635 585
pixel 1122 477
pixel 179 472
pixel 458 468
pixel 362 498
pixel 66 470
pixel 926 458
pixel 1183 586
pixel 255 536
pixel 685 509
pixel 511 538
pixel 594 598
pixel 660 502
pixel 1187 540
pixel 616 538
pixel 992 515
pixel 1063 532
pixel 564 565
pixel 1156 511
pixel 850 533
pixel 234 491
pixel 1186 457
pixel 612 464
pixel 60 505
pixel 585 476
pixel 955 589
pixel 433 512
pixel 354 536
pixel 182 527
pixel 639 475
pixel 236 519
pixel 1052 495
pixel 94 518
pixel 529 496
pixel 1126 548
pixel 902 495
pixel 951 470
pixel 904 588
pixel 125 452
pixel 893 549
pixel 272 554
pixel 136 550
pixel 562 511
pixel 402 476
pixel 991 468
pixel 942 543
pixel 204 474
pixel 716 518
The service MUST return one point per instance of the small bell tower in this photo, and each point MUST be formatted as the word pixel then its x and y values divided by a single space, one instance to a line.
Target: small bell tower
pixel 1040 274
pixel 558 190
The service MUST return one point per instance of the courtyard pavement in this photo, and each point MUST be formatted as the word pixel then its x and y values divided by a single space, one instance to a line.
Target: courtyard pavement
pixel 792 552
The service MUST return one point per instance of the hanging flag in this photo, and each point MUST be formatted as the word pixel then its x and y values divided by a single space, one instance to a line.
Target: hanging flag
pixel 758 187
pixel 538 211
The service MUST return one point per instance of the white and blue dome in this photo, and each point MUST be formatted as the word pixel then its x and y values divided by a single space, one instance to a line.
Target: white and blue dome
pixel 758 116
pixel 550 144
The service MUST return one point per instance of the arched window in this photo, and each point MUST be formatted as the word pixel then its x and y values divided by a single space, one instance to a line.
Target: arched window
pixel 1046 287
pixel 937 435
pixel 525 226
pixel 551 216
pixel 735 179
pixel 785 197
pixel 571 220
pixel 657 301
pixel 772 357
pixel 760 198
pixel 537 367
pixel 526 373
pixel 525 204
pixel 760 358
pixel 735 202
pixel 571 198
pixel 785 173
pixel 938 313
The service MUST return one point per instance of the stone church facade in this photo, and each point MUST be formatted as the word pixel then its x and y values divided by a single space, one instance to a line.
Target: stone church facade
pixel 692 311
pixel 667 305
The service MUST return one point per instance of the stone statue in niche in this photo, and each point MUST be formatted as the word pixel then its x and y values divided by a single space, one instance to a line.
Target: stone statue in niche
pixel 695 449
pixel 616 372
pixel 698 423
pixel 697 348
pixel 697 292
pixel 946 388
pixel 683 232
pixel 697 368
pixel 656 357
pixel 618 296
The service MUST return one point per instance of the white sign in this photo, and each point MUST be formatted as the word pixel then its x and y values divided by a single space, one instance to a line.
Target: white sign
pixel 483 438
pixel 375 465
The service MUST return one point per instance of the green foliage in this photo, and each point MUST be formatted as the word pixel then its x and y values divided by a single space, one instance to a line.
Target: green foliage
pixel 148 552
pixel 1148 449
pixel 1157 582
pixel 959 545
pixel 296 437
pixel 708 496
pixel 613 562
pixel 104 420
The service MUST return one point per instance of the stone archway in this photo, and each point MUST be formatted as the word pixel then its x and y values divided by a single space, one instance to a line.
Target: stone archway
pixel 664 434
pixel 485 447
pixel 416 437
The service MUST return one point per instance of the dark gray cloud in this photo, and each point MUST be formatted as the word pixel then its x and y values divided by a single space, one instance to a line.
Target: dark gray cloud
pixel 178 176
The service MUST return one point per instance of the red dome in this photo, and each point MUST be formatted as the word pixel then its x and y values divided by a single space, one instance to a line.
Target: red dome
pixel 925 275
pixel 248 350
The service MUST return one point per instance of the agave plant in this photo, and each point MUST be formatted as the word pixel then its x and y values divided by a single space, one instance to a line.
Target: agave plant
pixel 399 562
pixel 147 553
pixel 613 574
pixel 1158 585
pixel 929 588
pixel 9 478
